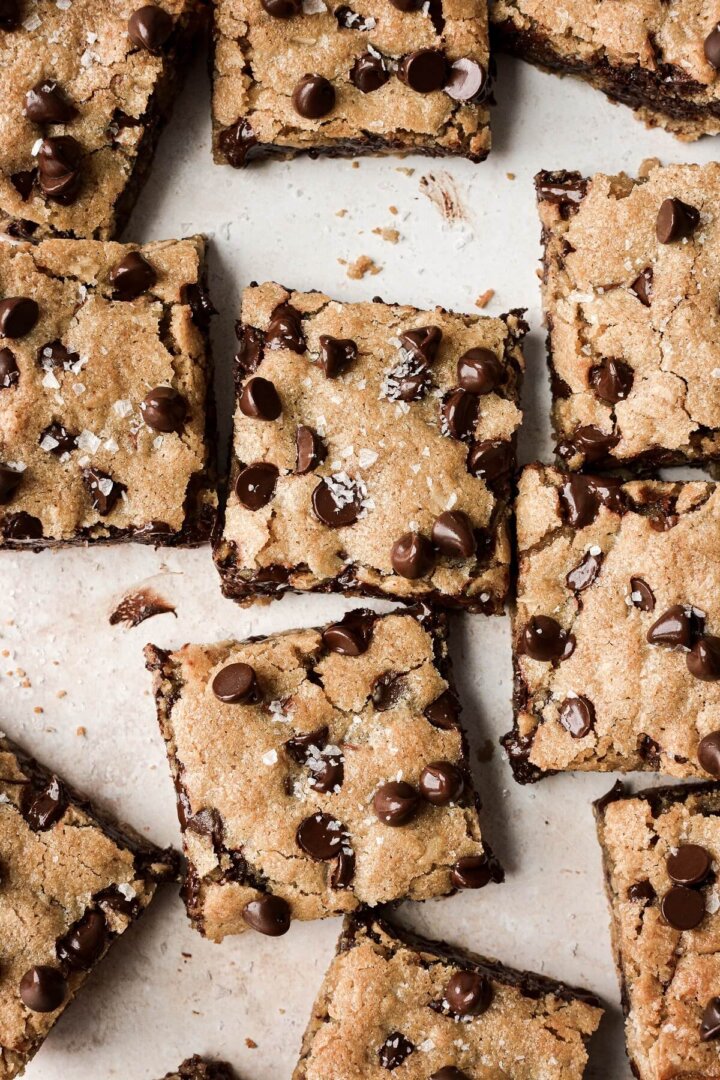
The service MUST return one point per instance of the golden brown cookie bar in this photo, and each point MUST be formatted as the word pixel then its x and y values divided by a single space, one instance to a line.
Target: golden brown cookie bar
pixel 630 283
pixel 71 882
pixel 105 419
pixel 660 59
pixel 86 89
pixel 318 770
pixel 617 658
pixel 392 1000
pixel 661 849
pixel 373 450
pixel 372 76
pixel 196 1068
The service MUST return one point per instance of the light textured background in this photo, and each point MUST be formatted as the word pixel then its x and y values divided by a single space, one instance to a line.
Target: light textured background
pixel 163 992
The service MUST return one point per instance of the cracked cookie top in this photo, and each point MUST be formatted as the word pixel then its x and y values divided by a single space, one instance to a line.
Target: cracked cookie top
pixel 615 636
pixel 293 76
pixel 661 850
pixel 373 450
pixel 318 770
pixel 103 378
pixel 630 290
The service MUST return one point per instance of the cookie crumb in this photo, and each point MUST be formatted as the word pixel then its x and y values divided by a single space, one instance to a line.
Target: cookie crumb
pixel 393 209
pixel 391 235
pixel 363 265
pixel 61 693
pixel 81 731
pixel 647 165
pixel 484 298
pixel 405 170
pixel 38 710
pixel 340 213
pixel 251 1044
pixel 510 175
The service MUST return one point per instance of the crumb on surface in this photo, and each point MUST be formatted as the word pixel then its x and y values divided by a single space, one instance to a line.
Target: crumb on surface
pixel 341 213
pixel 510 175
pixel 251 1044
pixel 647 165
pixel 391 235
pixel 484 298
pixel 393 209
pixel 361 266
pixel 82 731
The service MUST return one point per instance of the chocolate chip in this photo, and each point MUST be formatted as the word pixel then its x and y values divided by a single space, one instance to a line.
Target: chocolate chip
pixel 491 460
pixel 42 809
pixel 452 534
pixel 22 526
pixel 10 480
pixel 200 304
pixel 460 413
pixel 59 173
pixel 260 400
pixel 641 892
pixel 683 908
pixel 164 409
pixel 583 575
pixel 45 103
pixel 388 690
pixel 467 81
pixel 282 9
pixel 103 490
pixel 424 70
pixel 710 1023
pixel 565 190
pixel 441 783
pixel 709 753
pixel 65 442
pixel 321 836
pixel 310 450
pixel 132 277
pixel 642 286
pixel 582 496
pixel 255 484
pixel 336 503
pixel 347 19
pixel 412 556
pixel 299 746
pixel 150 27
pixel 24 182
pixel 396 802
pixel 43 989
pixel 237 684
pixel 543 638
pixel 352 635
pixel 676 627
pixel 577 715
pixel 471 872
pixel 268 915
pixel 396 1047
pixel 285 329
pixel 480 372
pixel 612 380
pixel 422 343
pixel 368 73
pixel 336 354
pixel 9 371
pixel 407 5
pixel 238 143
pixel 444 712
pixel 313 97
pixel 594 445
pixel 676 220
pixel 327 771
pixel 641 594
pixel 703 660
pixel 343 871
pixel 689 865
pixel 18 316
pixel 449 1072
pixel 468 993
pixel 56 355
pixel 85 941
pixel 9 14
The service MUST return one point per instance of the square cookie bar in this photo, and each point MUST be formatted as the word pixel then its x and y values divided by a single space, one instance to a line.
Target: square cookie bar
pixel 615 635
pixel 104 381
pixel 630 285
pixel 71 883
pixel 380 76
pixel 86 89
pixel 661 850
pixel 196 1068
pixel 318 770
pixel 660 59
pixel 373 450
pixel 391 999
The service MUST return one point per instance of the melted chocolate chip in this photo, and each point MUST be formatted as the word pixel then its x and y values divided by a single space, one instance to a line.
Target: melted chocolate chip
pixel 467 81
pixel 260 400
pixel 65 442
pixel 237 684
pixel 85 941
pixel 468 993
pixel 310 450
pixel 710 1023
pixel 709 753
pixel 59 173
pixel 689 865
pixel 471 872
pixel 336 354
pixel 424 70
pixel 565 191
pixel 22 526
pixel 299 747
pixel 543 638
pixel 45 103
pixel 453 535
pixel 43 989
pixel 612 380
pixel 313 97
pixel 336 504
pixel 422 343
pixel 641 892
pixel 9 371
pixel 268 915
pixel 582 496
pixel 480 372
pixel 282 9
pixel 641 594
pixel 492 461
pixel 388 690
pixel 164 409
pixel 577 715
pixel 200 304
pixel 368 73
pixel 589 441
pixel 57 355
pixel 441 783
pixel 583 575
pixel 10 480
pixel 285 329
pixel 238 143
pixel 460 413
pixel 412 556
pixel 676 220
pixel 150 27
pixel 444 712
pixel 321 836
pixel 642 286
pixel 449 1072
pixel 327 771
pixel 703 660
pixel 255 484
pixel 682 908
pixel 678 626
pixel 103 490
pixel 343 871
pixel 352 635
pixel 18 316
pixel 131 277
pixel 396 802
pixel 395 1049
pixel 43 808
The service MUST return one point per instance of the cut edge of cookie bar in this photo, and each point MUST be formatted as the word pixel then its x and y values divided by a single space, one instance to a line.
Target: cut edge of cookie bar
pixel 389 937
pixel 201 1068
pixel 247 585
pixel 168 689
pixel 649 95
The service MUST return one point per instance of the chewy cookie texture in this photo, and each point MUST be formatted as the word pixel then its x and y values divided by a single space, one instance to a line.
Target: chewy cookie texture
pixel 661 59
pixel 373 450
pixel 615 637
pixel 661 849
pixel 318 770
pixel 196 1068
pixel 336 79
pixel 394 1001
pixel 86 88
pixel 71 883
pixel 104 374
pixel 631 278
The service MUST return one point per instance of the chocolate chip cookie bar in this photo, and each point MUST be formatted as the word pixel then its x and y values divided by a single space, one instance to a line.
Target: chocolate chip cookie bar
pixel 373 451
pixel 196 1068
pixel 660 59
pixel 661 849
pixel 616 631
pixel 319 770
pixel 392 999
pixel 86 89
pixel 71 883
pixel 104 375
pixel 305 76
pixel 631 278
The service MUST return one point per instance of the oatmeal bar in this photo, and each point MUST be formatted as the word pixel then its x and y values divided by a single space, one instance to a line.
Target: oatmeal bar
pixel 71 883
pixel 631 279
pixel 318 770
pixel 197 1068
pixel 105 421
pixel 392 1000
pixel 86 89
pixel 660 59
pixel 661 849
pixel 617 658
pixel 373 450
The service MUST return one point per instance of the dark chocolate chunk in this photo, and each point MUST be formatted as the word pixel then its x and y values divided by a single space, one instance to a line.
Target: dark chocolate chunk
pixel 237 143
pixel 449 1072
pixel 131 277
pixel 9 14
pixel 10 480
pixel 676 220
pixel 480 372
pixel 321 836
pixel 327 771
pixel 422 343
pixel 468 993
pixel 344 870
pixel 57 355
pixel 407 5
pixel 352 635
pixel 642 286
pixel 237 684
pixel 471 872
pixel 676 627
pixel 453 534
pixel 336 503
pixel 395 1049
pixel 45 103
pixel 424 70
pixel 150 27
pixel 285 330
pixel 612 380
pixel 683 908
pixel 9 371
pixel 164 409
pixel 85 941
pixel 59 174
pixel 543 638
pixel 313 97
pixel 282 9
pixel 709 753
pixel 388 690
pixel 368 73
pixel 582 496
pixel 467 81
pixel 594 445
pixel 299 747
pixel 583 575
pixel 310 450
pixel 65 441
pixel 441 783
pixel 250 348
pixel 22 526
pixel 703 660
pixel 689 865
pixel 43 808
pixel 491 460
pixel 396 802
pixel 260 400
pixel 444 712
pixel 460 413
pixel 43 988
pixel 577 715
pixel 566 192
pixel 268 914
pixel 641 892
pixel 412 556
pixel 103 490
pixel 641 594
pixel 336 354
pixel 18 316
pixel 23 182
pixel 200 304
pixel 710 1024
pixel 255 484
